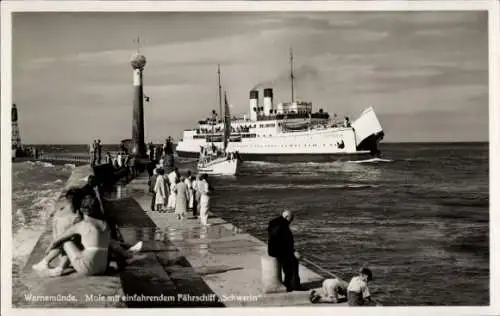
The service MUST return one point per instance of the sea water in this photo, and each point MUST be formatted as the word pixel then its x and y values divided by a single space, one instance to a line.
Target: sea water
pixel 418 216
pixel 35 188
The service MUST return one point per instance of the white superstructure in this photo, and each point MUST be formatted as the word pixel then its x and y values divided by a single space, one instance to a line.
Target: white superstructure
pixel 289 130
pixel 292 131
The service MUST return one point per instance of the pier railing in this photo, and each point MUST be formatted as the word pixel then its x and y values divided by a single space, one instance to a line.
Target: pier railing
pixel 73 159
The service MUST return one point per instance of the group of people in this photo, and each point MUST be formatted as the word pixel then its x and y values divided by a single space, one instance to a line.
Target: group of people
pixel 84 238
pixel 282 247
pixel 211 152
pixel 239 129
pixel 122 159
pixel 95 150
pixel 180 193
pixel 165 152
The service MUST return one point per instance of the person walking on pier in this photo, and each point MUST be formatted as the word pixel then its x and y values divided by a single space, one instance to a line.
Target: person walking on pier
pixel 152 184
pixel 132 166
pixel 92 152
pixel 108 159
pixel 151 148
pixel 99 151
pixel 123 148
pixel 158 153
pixel 169 152
pixel 173 179
pixel 119 160
pixel 189 184
pixel 160 191
pixel 196 195
pixel 204 189
pixel 281 246
pixel 182 199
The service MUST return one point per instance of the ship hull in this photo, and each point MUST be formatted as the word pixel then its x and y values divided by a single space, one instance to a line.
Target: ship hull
pixel 223 167
pixel 293 157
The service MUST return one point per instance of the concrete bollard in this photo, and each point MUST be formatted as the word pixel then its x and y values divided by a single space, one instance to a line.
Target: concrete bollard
pixel 271 275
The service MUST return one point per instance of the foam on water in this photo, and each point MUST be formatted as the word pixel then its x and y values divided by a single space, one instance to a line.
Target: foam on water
pixel 36 187
pixel 372 160
pixel 44 164
pixel 294 164
pixel 312 186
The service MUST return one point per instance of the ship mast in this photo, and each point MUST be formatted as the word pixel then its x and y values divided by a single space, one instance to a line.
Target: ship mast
pixel 291 72
pixel 220 91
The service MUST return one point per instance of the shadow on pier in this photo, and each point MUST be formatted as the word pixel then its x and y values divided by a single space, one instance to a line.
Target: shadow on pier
pixel 164 273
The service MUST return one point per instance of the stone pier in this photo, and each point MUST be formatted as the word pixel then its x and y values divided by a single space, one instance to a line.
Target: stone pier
pixel 184 264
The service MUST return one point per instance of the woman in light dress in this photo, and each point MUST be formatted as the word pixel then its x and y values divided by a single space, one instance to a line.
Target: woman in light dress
pixel 189 183
pixel 161 191
pixel 196 195
pixel 182 198
pixel 204 190
pixel 173 179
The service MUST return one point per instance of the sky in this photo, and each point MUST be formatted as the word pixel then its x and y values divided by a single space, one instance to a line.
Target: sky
pixel 425 73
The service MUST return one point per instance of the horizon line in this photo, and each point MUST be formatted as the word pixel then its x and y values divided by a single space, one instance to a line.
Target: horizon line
pixel 390 142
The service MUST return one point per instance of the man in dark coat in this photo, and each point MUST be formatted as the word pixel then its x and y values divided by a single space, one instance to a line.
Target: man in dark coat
pixel 281 246
pixel 152 183
pixel 169 152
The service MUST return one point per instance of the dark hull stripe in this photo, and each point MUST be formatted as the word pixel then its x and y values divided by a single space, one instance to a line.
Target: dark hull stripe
pixel 291 157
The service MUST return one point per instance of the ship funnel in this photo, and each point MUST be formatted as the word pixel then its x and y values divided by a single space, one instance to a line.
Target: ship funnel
pixel 268 101
pixel 254 104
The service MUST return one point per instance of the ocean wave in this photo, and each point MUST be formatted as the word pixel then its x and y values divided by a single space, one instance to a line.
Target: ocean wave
pixel 372 160
pixel 260 163
pixel 260 187
pixel 30 222
pixel 22 195
pixel 36 188
pixel 296 164
pixel 58 181
pixel 69 165
pixel 44 164
pixel 23 243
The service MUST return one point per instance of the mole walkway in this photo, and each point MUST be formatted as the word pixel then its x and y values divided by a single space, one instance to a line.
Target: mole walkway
pixel 227 259
pixel 182 263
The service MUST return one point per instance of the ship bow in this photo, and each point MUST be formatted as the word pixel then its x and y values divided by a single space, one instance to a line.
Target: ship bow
pixel 368 131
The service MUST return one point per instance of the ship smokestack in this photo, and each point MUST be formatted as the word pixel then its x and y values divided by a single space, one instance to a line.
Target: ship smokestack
pixel 254 104
pixel 268 101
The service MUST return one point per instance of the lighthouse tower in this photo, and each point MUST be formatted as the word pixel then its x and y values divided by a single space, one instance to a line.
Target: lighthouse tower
pixel 138 62
pixel 16 135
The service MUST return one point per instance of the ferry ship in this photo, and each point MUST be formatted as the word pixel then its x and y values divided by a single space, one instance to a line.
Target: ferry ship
pixel 288 132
